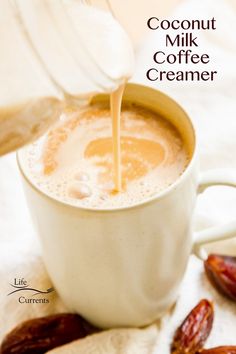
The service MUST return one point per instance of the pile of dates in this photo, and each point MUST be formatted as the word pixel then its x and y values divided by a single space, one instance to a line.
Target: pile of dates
pixel 192 334
pixel 39 335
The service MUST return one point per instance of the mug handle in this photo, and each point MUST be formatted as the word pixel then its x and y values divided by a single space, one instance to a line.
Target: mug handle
pixel 210 178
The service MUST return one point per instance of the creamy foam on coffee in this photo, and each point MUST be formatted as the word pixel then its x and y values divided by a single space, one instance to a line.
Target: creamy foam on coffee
pixel 74 162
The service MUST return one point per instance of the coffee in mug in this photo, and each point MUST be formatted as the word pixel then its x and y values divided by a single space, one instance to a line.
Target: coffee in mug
pixel 74 161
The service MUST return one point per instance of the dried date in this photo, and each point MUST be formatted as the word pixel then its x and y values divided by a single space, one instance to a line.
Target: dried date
pixel 221 271
pixel 194 330
pixel 219 350
pixel 42 334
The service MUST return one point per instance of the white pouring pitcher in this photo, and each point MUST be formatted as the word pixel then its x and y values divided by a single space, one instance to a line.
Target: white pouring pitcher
pixel 53 52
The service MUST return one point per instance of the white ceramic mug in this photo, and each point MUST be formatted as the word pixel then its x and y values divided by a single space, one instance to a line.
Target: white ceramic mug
pixel 123 267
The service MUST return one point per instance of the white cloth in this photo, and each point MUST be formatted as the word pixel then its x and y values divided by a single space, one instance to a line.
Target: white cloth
pixel 212 108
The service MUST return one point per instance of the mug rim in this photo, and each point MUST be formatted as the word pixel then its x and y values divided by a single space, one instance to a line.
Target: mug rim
pixel 149 200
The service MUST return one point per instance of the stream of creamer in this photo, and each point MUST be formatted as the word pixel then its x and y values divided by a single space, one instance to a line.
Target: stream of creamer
pixel 115 106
